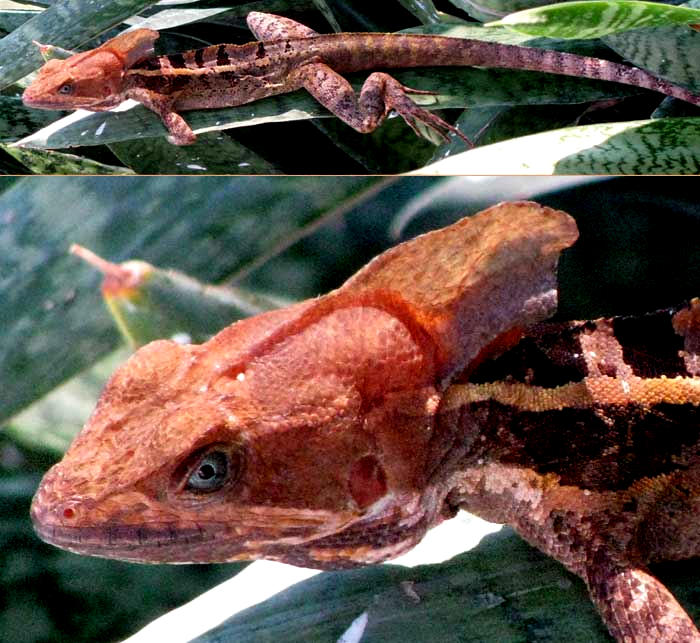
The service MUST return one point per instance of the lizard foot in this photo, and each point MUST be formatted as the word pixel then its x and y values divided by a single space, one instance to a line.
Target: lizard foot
pixel 395 97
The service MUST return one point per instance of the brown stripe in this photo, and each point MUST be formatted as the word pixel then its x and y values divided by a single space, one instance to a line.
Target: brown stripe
pixel 548 356
pixel 152 64
pixel 177 61
pixel 199 57
pixel 552 354
pixel 602 448
pixel 221 56
pixel 650 345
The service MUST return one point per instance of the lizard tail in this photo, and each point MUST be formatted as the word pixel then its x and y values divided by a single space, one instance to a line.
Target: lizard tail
pixel 376 51
pixel 556 62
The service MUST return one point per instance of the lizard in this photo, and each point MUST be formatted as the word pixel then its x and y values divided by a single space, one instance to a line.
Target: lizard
pixel 290 56
pixel 335 432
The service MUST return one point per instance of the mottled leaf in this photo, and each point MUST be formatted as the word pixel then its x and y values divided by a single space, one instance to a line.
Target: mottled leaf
pixel 596 18
pixel 611 148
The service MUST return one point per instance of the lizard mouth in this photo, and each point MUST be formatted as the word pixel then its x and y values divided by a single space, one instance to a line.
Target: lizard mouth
pixel 171 541
pixel 39 101
pixel 155 543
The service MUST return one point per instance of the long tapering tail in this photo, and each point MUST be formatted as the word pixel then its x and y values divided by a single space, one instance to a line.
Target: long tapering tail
pixel 372 51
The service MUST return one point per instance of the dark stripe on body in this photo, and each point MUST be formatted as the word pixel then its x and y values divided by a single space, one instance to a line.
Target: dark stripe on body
pixel 160 83
pixel 177 61
pixel 650 345
pixel 550 354
pixel 604 448
pixel 379 534
pixel 221 56
pixel 199 57
pixel 150 64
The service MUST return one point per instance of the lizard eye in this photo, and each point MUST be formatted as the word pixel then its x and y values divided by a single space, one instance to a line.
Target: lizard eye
pixel 212 469
pixel 65 89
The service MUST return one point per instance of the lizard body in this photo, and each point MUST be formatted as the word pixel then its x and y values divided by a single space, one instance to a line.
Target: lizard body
pixel 290 56
pixel 336 432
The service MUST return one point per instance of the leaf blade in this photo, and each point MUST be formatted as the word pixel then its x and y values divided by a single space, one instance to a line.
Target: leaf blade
pixel 595 18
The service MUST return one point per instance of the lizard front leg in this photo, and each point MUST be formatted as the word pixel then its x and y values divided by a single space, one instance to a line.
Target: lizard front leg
pixel 180 132
pixel 379 95
pixel 635 606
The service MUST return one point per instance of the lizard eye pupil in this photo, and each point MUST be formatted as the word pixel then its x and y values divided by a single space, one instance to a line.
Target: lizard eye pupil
pixel 210 473
pixel 65 89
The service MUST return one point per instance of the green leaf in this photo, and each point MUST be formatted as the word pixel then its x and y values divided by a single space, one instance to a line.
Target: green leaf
pixel 135 121
pixel 149 303
pixel 611 148
pixel 211 153
pixel 52 162
pixel 426 12
pixel 327 13
pixel 51 423
pixel 393 147
pixel 16 120
pixel 596 18
pixel 485 10
pixel 669 52
pixel 169 18
pixel 16 15
pixel 500 590
pixel 488 125
pixel 54 323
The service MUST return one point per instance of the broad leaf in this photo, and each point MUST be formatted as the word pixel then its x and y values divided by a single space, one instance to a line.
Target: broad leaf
pixel 596 18
pixel 54 323
pixel 613 148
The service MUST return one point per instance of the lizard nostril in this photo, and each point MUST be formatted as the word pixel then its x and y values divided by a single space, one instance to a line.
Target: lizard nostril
pixel 69 513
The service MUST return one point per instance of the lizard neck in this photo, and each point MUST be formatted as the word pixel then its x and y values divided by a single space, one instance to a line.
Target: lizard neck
pixel 587 414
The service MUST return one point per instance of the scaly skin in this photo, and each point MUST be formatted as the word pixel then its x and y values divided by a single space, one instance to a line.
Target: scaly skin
pixel 290 56
pixel 336 432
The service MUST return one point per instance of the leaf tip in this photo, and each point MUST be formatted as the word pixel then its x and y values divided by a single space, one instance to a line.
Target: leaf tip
pixel 117 277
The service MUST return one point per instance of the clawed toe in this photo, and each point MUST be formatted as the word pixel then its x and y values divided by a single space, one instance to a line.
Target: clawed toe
pixel 433 123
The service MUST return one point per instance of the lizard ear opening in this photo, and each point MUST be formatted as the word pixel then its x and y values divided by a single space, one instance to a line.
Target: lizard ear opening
pixel 367 481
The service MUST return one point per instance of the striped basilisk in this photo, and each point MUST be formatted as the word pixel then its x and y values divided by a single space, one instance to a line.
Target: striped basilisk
pixel 290 56
pixel 336 432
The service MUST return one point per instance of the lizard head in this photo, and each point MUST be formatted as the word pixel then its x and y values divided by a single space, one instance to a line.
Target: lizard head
pixel 91 79
pixel 295 435
pixel 310 434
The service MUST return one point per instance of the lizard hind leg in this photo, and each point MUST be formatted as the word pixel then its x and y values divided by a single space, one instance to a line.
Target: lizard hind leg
pixel 379 95
pixel 267 27
pixel 381 88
